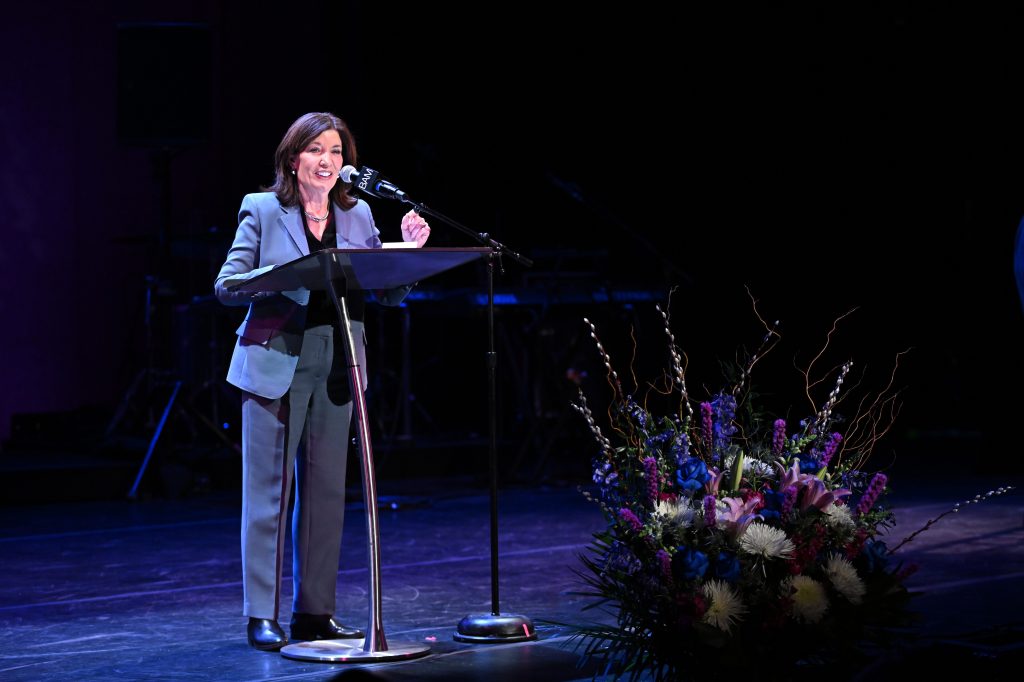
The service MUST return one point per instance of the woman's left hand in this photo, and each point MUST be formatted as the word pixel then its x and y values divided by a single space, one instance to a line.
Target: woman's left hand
pixel 415 228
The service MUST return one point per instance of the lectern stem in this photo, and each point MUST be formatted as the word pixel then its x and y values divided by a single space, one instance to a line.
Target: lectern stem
pixel 375 640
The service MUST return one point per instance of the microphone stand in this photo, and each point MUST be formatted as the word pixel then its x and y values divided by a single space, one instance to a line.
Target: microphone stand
pixel 493 627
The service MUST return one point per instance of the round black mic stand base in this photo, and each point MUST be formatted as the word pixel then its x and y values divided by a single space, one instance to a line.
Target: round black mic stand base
pixel 350 651
pixel 481 628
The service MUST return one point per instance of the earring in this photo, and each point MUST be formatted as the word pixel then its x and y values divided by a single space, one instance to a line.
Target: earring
pixel 293 171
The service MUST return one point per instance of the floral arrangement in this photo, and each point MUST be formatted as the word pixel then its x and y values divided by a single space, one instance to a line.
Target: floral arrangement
pixel 736 540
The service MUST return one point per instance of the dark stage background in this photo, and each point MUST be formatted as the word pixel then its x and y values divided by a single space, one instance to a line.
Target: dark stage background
pixel 821 159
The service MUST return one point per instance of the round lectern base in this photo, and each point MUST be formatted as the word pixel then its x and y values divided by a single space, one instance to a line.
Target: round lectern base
pixel 491 628
pixel 350 651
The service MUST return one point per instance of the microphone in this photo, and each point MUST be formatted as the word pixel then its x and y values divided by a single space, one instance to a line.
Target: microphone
pixel 369 181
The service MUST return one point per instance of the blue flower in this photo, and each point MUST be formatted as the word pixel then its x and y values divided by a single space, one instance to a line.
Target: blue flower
pixel 636 413
pixel 809 466
pixel 601 472
pixel 658 440
pixel 727 567
pixel 724 409
pixel 680 447
pixel 876 555
pixel 692 475
pixel 854 479
pixel 689 564
pixel 773 502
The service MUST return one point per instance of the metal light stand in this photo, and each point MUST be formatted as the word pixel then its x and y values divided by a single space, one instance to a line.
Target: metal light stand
pixel 146 383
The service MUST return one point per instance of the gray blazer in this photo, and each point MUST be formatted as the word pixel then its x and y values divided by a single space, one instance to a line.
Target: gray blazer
pixel 270 338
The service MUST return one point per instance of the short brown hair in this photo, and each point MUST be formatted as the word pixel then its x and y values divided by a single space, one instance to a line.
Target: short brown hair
pixel 304 130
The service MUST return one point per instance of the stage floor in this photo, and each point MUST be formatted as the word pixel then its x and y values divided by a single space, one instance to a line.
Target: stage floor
pixel 150 590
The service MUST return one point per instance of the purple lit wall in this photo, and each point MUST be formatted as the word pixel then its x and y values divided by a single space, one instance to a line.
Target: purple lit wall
pixel 85 224
pixel 73 199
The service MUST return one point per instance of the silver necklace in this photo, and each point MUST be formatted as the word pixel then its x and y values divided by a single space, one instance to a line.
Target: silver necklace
pixel 316 219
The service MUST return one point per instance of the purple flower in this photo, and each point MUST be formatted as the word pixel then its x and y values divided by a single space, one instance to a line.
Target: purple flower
pixel 630 519
pixel 653 483
pixel 707 430
pixel 779 437
pixel 788 499
pixel 665 562
pixel 875 488
pixel 709 511
pixel 830 448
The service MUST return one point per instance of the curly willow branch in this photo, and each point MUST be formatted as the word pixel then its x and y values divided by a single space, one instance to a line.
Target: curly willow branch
pixel 809 384
pixel 873 419
pixel 956 508
pixel 679 376
pixel 613 377
pixel 824 415
pixel 771 337
pixel 584 410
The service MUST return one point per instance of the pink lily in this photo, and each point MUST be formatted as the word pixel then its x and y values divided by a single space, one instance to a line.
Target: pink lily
pixel 815 494
pixel 738 514
pixel 711 487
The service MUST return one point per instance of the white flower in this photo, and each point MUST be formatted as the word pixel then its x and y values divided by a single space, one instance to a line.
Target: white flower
pixel 809 599
pixel 677 512
pixel 765 541
pixel 726 607
pixel 839 517
pixel 844 578
pixel 752 464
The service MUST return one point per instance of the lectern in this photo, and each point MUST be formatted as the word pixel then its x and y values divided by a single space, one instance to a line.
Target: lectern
pixel 370 269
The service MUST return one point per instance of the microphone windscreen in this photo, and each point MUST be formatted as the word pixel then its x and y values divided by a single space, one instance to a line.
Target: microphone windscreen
pixel 348 174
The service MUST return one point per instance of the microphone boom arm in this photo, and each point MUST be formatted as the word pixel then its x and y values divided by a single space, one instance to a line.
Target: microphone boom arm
pixel 482 237
pixel 369 181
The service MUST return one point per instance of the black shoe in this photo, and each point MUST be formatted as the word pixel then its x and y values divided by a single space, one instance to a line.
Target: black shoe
pixel 309 627
pixel 265 634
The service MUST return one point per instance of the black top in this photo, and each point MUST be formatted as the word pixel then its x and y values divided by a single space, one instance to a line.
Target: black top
pixel 321 309
pixel 321 312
